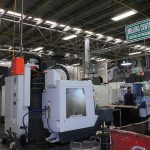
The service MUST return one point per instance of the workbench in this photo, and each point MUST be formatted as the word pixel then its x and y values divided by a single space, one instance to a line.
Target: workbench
pixel 119 107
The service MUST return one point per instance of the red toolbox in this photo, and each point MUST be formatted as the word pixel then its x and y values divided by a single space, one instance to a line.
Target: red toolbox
pixel 130 137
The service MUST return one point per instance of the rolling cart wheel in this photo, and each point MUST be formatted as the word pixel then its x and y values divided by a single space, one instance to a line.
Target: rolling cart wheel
pixel 12 146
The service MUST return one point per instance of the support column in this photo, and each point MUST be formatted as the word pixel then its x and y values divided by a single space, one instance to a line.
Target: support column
pixel 87 56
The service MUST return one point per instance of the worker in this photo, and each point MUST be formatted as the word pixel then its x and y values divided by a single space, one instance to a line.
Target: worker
pixel 129 97
pixel 130 114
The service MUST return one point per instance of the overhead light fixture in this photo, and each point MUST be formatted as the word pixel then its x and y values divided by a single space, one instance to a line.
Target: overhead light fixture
pixel 89 32
pixel 50 22
pixel 126 63
pixel 101 69
pixel 77 64
pixel 117 41
pixel 92 58
pixel 148 49
pixel 109 38
pixel 51 53
pixel 2 11
pixel 67 28
pixel 10 47
pixel 135 53
pixel 13 13
pixel 137 46
pixel 67 55
pixel 125 42
pixel 75 56
pixel 53 24
pixel 124 15
pixel 62 25
pixel 29 17
pixel 37 49
pixel 99 36
pixel 77 30
pixel 69 37
pixel 100 59
pixel 38 20
pixel 142 47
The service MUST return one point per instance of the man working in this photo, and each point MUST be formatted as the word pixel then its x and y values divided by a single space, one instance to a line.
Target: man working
pixel 129 97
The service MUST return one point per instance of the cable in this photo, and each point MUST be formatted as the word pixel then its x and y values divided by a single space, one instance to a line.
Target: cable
pixel 32 111
pixel 49 126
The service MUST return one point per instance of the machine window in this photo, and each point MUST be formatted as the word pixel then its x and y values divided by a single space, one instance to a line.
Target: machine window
pixel 75 102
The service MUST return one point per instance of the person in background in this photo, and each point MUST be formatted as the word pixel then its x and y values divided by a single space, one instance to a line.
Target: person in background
pixel 130 114
pixel 129 98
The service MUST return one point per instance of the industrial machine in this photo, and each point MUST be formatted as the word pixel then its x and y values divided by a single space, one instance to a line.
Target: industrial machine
pixel 70 110
pixel 17 101
pixel 65 108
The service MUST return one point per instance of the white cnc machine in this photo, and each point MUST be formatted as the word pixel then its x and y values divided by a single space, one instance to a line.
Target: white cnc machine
pixel 71 107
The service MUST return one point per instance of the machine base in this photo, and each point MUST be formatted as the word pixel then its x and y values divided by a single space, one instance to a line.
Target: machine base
pixel 76 135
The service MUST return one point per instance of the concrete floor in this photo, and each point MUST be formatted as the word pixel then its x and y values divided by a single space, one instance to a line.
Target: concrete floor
pixel 43 147
pixel 65 147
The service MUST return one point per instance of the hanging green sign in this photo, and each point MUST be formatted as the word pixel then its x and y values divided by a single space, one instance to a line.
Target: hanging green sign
pixel 138 31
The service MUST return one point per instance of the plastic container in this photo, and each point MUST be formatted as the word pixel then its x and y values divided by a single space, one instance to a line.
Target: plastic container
pixel 93 144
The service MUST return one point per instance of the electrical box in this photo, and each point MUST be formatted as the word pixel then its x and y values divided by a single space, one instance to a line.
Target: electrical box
pixel 17 67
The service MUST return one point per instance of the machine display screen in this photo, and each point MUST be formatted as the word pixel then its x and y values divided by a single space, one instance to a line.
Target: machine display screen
pixel 75 102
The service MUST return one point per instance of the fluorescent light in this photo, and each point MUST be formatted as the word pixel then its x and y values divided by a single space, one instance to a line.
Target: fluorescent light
pixel 67 55
pixel 75 56
pixel 124 15
pixel 148 49
pixel 99 36
pixel 77 30
pixel 50 22
pixel 125 42
pixel 78 64
pixel 137 46
pixel 126 63
pixel 38 49
pixel 62 25
pixel 38 20
pixel 89 32
pixel 29 17
pixel 100 59
pixel 92 58
pixel 109 38
pixel 2 11
pixel 69 37
pixel 142 47
pixel 14 13
pixel 118 41
pixel 51 53
pixel 135 53
pixel 101 69
pixel 67 28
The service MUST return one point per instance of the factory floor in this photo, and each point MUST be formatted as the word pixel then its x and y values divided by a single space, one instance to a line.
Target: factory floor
pixel 41 147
